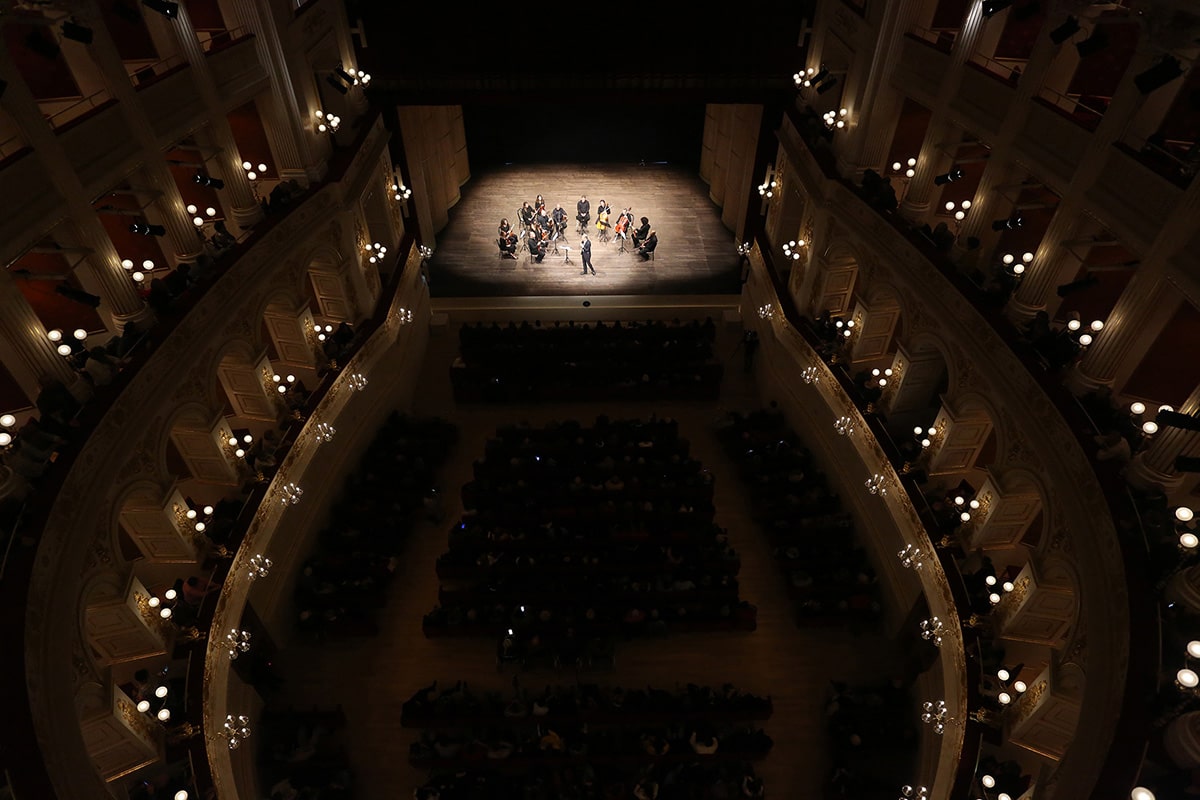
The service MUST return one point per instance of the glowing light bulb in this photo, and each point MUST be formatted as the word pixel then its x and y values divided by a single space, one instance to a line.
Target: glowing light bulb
pixel 1073 325
pixel 191 209
pixel 161 692
pixel 1019 686
pixel 148 264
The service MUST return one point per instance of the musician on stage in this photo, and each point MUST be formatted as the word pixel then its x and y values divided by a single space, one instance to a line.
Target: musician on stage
pixel 603 208
pixel 559 216
pixel 541 218
pixel 602 223
pixel 525 215
pixel 507 239
pixel 583 212
pixel 648 246
pixel 537 246
pixel 624 220
pixel 641 233
pixel 539 205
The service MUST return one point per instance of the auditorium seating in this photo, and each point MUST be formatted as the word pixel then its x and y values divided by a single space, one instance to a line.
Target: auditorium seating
pixel 341 586
pixel 561 362
pixel 828 574
pixel 572 537
pixel 300 753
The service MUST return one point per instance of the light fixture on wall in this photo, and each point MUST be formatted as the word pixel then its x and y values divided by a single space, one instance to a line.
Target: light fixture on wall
pixel 907 169
pixel 198 219
pixel 357 382
pixel 931 630
pixel 959 210
pixel 259 567
pixel 327 122
pixel 876 484
pixel 235 731
pixel 290 494
pixel 844 426
pixel 914 793
pixel 1015 265
pixel 766 311
pixel 925 436
pixel 324 432
pixel 803 80
pixel 911 557
pixel 375 252
pixel 936 714
pixel 744 248
pixel 138 276
pixel 835 120
pixel 253 174
pixel 770 183
pixel 7 422
pixel 792 248
pixel 810 375
pixel 400 192
pixel 237 642
pixel 282 383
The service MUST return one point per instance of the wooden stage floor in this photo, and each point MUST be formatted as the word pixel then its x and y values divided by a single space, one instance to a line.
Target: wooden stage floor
pixel 696 253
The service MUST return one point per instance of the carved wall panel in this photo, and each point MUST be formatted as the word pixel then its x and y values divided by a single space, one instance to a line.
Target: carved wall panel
pixel 876 323
pixel 290 331
pixel 243 386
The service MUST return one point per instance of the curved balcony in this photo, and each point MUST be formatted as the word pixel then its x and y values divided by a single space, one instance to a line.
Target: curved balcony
pixel 1041 426
pixel 67 526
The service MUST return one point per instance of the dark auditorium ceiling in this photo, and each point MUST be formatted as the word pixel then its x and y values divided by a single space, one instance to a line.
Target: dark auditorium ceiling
pixel 536 55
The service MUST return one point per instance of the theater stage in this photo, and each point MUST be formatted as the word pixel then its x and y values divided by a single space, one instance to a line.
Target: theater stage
pixel 696 253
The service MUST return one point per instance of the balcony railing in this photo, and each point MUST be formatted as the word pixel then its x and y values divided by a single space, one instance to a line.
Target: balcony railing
pixel 70 110
pixel 1008 71
pixel 213 39
pixel 1177 161
pixel 942 40
pixel 1120 768
pixel 18 742
pixel 11 146
pixel 1077 108
pixel 147 74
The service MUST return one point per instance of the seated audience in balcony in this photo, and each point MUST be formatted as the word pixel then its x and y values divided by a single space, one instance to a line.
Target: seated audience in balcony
pixel 100 367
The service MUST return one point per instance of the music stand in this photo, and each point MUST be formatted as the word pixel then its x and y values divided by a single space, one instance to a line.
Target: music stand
pixel 566 254
pixel 622 237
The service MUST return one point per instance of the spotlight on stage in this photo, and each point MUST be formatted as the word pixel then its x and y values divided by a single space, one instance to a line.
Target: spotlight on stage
pixel 204 180
pixel 1174 419
pixel 994 7
pixel 1065 31
pixel 76 32
pixel 1162 73
pixel 167 9
pixel 148 230
pixel 336 84
pixel 1009 224
pixel 1093 44
pixel 950 177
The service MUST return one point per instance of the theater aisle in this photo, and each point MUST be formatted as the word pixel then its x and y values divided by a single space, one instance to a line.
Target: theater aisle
pixel 371 678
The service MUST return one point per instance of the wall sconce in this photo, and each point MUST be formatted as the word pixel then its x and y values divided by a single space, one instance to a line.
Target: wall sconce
pixel 914 793
pixel 1013 265
pixel 327 122
pixel 908 168
pixel 959 212
pixel 845 328
pixel 835 120
pixel 803 80
pixel 291 494
pixel 357 382
pixel 405 315
pixel 766 312
pixel 138 277
pixel 880 378
pixel 235 731
pixel 198 220
pixel 769 185
pixel 936 714
pixel 282 385
pixel 6 421
pixel 260 567
pixel 844 426
pixel 931 630
pixel 324 432
pixel 875 485
pixel 375 252
pixel 810 375
pixel 744 249
pixel 425 251
pixel 322 332
pixel 400 191
pixel 238 642
pixel 911 557
pixel 792 249
pixel 253 174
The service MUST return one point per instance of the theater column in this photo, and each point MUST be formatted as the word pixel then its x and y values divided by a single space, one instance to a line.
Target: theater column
pixel 1154 465
pixel 933 159
pixel 28 354
pixel 237 193
pixel 1052 264
pixel 120 300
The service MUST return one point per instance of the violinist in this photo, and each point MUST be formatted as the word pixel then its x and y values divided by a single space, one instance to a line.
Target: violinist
pixel 541 218
pixel 641 233
pixel 539 205
pixel 507 239
pixel 537 246
pixel 525 215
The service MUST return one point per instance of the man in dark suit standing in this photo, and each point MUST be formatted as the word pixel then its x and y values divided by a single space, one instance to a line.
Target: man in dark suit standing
pixel 585 252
